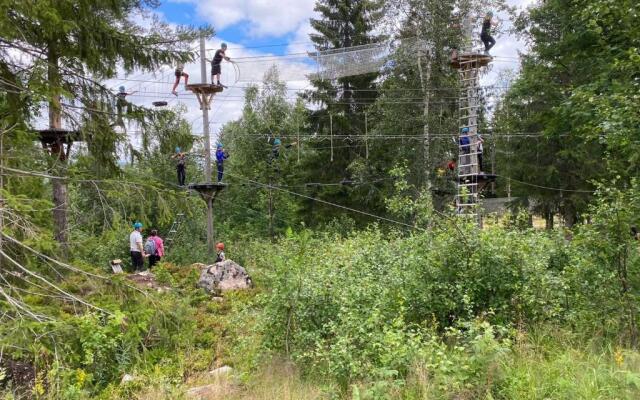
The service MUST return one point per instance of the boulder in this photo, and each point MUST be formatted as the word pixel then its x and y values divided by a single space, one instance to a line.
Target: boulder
pixel 224 370
pixel 223 276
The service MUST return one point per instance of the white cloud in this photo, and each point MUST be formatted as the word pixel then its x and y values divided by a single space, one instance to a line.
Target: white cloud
pixel 265 17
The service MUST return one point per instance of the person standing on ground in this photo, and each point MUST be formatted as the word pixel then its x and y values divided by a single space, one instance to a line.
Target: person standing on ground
pixel 181 167
pixel 136 248
pixel 220 252
pixel 216 69
pixel 485 34
pixel 179 74
pixel 221 155
pixel 158 248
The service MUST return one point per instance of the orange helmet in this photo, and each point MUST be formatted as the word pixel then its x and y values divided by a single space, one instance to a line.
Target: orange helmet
pixel 220 246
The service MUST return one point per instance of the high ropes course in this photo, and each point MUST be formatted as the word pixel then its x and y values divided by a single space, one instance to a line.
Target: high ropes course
pixel 331 64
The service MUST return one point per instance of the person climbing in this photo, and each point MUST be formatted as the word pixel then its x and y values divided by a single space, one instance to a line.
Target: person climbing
pixel 221 155
pixel 179 74
pixel 122 104
pixel 216 69
pixel 136 248
pixel 181 167
pixel 480 151
pixel 220 252
pixel 465 141
pixel 154 247
pixel 485 34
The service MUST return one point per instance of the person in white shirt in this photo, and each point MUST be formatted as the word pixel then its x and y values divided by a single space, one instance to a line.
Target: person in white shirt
pixel 179 73
pixel 136 247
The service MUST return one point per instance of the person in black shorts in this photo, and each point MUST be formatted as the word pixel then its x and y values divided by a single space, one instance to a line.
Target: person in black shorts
pixel 181 167
pixel 179 74
pixel 216 70
pixel 485 35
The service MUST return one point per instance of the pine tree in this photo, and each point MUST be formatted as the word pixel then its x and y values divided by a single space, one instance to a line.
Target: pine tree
pixel 342 24
pixel 73 45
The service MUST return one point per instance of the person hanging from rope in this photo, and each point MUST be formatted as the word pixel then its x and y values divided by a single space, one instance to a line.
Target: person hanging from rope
pixel 221 155
pixel 485 34
pixel 181 167
pixel 122 103
pixel 216 69
pixel 275 152
pixel 179 74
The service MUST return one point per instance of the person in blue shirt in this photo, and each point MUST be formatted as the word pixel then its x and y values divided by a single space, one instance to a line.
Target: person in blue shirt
pixel 465 141
pixel 221 155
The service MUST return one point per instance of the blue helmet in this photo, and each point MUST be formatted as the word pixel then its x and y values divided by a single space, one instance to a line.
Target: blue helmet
pixel 219 146
pixel 223 45
pixel 178 149
pixel 122 89
pixel 137 225
pixel 465 130
pixel 277 142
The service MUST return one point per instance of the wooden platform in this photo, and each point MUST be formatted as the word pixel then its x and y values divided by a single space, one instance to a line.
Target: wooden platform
pixel 474 59
pixel 205 88
pixel 63 136
pixel 483 180
pixel 205 187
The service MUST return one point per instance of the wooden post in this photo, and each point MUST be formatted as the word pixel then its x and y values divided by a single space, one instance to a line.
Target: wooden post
pixel 366 136
pixel 331 130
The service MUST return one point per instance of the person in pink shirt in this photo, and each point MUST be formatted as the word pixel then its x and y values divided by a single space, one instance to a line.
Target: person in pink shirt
pixel 159 250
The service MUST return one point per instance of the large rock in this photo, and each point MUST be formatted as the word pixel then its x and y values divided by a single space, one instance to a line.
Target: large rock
pixel 223 276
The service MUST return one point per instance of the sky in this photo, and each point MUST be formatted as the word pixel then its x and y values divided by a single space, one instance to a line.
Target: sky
pixel 256 28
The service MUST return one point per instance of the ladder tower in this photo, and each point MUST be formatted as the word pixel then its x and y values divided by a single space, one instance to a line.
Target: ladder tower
pixel 471 180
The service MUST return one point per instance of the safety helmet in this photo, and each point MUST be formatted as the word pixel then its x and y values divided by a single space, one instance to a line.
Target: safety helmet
pixel 220 246
pixel 465 130
pixel 490 14
pixel 223 45
pixel 219 146
pixel 277 142
pixel 178 149
pixel 137 225
pixel 122 88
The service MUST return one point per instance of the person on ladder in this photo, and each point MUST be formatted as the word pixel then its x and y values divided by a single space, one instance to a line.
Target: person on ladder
pixel 221 155
pixel 179 74
pixel 181 167
pixel 485 34
pixel 216 69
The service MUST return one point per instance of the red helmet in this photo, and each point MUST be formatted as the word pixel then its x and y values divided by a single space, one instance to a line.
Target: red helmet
pixel 220 246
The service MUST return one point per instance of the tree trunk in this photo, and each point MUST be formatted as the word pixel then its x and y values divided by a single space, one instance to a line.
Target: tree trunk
pixel 425 76
pixel 60 196
pixel 548 219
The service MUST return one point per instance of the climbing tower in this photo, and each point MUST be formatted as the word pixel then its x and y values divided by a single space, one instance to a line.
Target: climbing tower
pixel 471 180
pixel 208 190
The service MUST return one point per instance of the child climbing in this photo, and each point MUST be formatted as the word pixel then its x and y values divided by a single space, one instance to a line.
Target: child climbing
pixel 485 35
pixel 121 103
pixel 480 151
pixel 216 69
pixel 181 167
pixel 221 155
pixel 179 74
pixel 220 252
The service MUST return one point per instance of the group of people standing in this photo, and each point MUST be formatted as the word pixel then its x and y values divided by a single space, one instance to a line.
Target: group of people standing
pixel 151 249
pixel 181 163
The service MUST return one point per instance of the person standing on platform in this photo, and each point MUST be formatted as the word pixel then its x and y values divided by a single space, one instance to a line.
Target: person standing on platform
pixel 485 34
pixel 221 155
pixel 181 166
pixel 216 69
pixel 136 248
